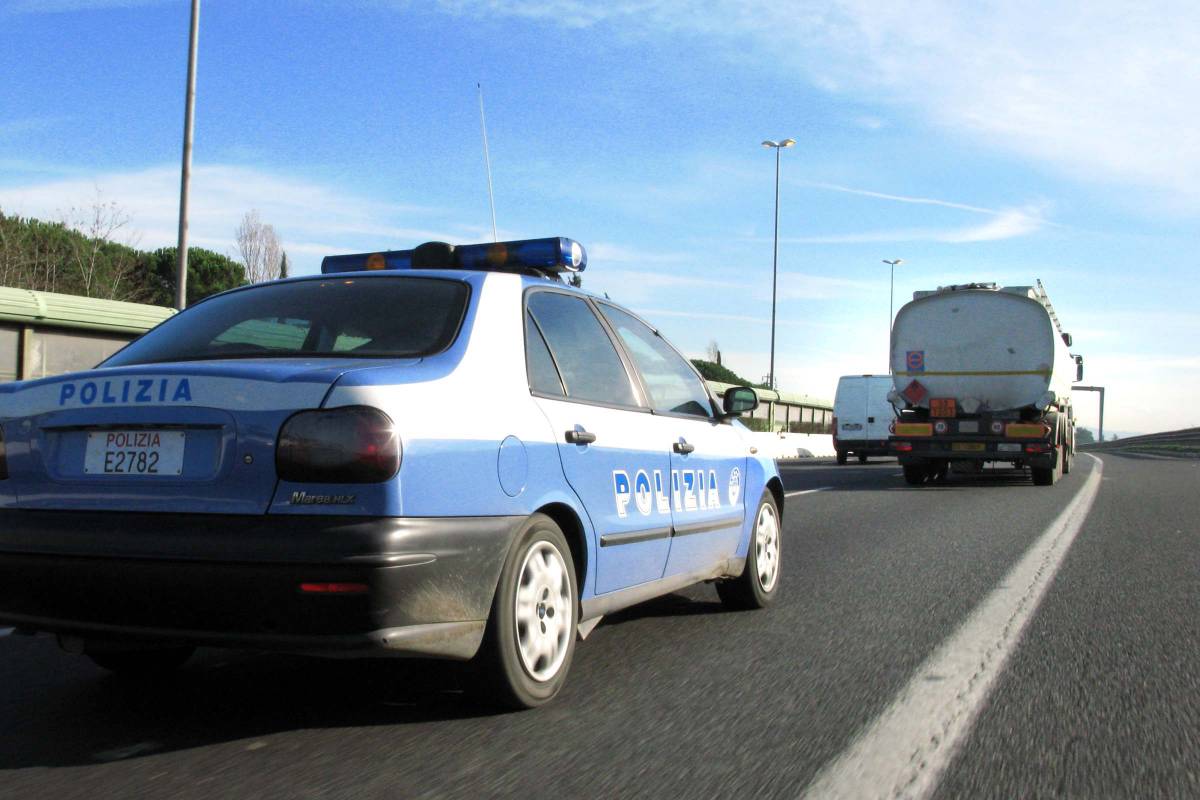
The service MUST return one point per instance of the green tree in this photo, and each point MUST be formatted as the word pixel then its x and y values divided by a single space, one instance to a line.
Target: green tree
pixel 712 371
pixel 1084 436
pixel 208 273
pixel 283 266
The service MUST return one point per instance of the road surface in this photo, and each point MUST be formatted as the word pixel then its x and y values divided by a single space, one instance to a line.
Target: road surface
pixel 965 639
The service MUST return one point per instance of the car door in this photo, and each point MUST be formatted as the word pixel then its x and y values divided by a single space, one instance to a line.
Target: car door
pixel 614 455
pixel 708 456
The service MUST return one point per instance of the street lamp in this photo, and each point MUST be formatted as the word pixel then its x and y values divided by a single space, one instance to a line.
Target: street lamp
pixel 775 259
pixel 891 291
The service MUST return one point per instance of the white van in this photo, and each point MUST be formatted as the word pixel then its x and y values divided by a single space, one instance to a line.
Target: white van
pixel 862 416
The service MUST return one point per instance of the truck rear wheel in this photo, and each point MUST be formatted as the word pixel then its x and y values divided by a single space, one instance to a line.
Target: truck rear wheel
pixel 841 457
pixel 915 474
pixel 1048 476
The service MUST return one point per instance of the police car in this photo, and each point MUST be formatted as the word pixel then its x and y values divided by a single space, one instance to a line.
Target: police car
pixel 446 451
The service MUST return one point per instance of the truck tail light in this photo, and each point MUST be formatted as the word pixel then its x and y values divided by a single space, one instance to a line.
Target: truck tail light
pixel 1037 447
pixel 351 444
pixel 902 447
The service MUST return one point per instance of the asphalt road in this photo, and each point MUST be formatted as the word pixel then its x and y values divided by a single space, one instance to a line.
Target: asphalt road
pixel 1099 697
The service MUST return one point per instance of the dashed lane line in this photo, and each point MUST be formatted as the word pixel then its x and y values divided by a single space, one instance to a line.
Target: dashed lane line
pixel 807 491
pixel 905 751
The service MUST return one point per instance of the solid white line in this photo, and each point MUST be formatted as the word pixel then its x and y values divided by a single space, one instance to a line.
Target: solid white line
pixel 904 752
pixel 806 491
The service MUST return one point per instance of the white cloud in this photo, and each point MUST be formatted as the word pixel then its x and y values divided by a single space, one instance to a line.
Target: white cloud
pixel 1005 224
pixel 1103 90
pixel 313 219
pixel 56 6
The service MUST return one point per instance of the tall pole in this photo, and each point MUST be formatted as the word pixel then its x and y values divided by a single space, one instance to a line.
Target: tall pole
pixel 186 176
pixel 782 143
pixel 891 294
pixel 487 161
pixel 774 272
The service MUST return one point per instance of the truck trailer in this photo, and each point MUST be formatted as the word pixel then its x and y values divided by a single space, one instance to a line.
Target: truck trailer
pixel 982 373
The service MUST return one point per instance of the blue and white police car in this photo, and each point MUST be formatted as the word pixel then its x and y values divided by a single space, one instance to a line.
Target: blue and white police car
pixel 446 451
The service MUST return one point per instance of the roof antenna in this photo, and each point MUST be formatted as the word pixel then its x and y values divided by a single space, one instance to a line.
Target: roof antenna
pixel 487 162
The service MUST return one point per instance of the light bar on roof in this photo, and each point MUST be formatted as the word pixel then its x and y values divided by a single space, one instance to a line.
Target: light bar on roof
pixel 556 254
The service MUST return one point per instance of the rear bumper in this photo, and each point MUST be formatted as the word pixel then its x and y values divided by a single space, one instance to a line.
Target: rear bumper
pixel 943 448
pixel 234 581
pixel 864 447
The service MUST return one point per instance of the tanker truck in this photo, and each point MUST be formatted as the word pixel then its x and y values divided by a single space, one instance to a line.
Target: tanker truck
pixel 980 374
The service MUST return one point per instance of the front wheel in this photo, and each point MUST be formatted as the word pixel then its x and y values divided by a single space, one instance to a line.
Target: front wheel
pixel 531 630
pixel 758 585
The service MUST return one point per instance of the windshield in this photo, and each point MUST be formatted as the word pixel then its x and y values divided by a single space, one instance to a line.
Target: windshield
pixel 369 318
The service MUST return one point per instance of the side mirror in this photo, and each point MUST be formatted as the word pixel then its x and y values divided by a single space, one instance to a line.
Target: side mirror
pixel 1067 340
pixel 1078 368
pixel 739 400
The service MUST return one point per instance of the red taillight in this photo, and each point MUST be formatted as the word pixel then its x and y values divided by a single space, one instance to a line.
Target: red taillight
pixel 333 588
pixel 1037 447
pixel 351 444
pixel 902 447
pixel 835 430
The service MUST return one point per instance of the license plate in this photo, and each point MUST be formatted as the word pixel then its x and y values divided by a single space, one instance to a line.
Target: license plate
pixel 136 452
pixel 852 426
pixel 972 447
pixel 1009 447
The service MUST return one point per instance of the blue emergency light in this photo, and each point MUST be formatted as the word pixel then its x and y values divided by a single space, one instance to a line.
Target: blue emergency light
pixel 554 255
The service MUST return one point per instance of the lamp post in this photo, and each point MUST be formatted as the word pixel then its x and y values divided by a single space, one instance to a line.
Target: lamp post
pixel 891 292
pixel 777 146
pixel 181 254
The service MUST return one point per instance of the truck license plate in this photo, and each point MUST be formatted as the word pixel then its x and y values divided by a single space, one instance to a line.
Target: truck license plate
pixel 972 447
pixel 134 452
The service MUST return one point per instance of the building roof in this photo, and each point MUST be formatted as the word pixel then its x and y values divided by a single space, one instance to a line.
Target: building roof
pixel 27 307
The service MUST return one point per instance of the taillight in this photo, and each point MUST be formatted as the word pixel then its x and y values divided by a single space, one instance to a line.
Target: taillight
pixel 835 430
pixel 902 447
pixel 1037 447
pixel 3 457
pixel 351 444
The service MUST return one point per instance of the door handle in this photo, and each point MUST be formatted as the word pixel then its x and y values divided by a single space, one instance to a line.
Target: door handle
pixel 683 447
pixel 580 437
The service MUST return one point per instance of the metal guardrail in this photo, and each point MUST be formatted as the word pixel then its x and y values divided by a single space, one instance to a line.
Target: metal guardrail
pixel 1184 442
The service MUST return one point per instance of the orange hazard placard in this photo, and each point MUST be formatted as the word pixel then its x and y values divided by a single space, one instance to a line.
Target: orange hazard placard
pixel 941 407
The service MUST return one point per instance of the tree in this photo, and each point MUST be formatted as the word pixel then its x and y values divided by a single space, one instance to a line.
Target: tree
pixel 100 268
pixel 714 352
pixel 208 273
pixel 259 247
pixel 1084 436
pixel 283 266
pixel 712 371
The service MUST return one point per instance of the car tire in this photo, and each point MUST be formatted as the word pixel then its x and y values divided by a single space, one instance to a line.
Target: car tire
pixel 758 585
pixel 144 662
pixel 841 457
pixel 1068 459
pixel 1048 476
pixel 531 630
pixel 862 459
pixel 916 474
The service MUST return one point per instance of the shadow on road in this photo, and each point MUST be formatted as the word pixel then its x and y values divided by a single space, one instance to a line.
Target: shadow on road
pixel 92 717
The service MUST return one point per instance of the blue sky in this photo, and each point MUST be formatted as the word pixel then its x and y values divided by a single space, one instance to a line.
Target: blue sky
pixel 1001 142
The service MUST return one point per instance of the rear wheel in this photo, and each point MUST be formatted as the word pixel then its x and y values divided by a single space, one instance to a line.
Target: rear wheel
pixel 1068 459
pixel 758 585
pixel 140 662
pixel 915 474
pixel 862 459
pixel 1048 476
pixel 841 456
pixel 531 630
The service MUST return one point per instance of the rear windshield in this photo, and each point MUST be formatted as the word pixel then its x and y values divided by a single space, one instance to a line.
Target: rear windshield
pixel 362 317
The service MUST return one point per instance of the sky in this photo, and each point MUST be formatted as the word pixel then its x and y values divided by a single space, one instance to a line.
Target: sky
pixel 1003 142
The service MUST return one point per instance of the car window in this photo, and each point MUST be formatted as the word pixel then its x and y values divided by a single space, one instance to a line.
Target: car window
pixel 373 317
pixel 671 381
pixel 543 375
pixel 590 367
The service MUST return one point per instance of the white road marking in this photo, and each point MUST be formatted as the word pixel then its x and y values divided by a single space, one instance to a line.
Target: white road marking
pixel 904 752
pixel 806 491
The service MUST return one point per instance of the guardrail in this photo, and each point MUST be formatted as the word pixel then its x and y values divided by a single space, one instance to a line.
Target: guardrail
pixel 1182 443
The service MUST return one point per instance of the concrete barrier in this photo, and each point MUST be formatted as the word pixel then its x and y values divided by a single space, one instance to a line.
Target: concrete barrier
pixel 784 446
